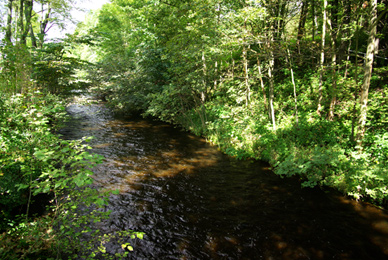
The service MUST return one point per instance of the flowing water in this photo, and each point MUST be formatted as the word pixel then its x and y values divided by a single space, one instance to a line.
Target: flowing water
pixel 193 202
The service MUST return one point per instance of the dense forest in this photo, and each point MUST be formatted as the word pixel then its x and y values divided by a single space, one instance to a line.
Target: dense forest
pixel 300 84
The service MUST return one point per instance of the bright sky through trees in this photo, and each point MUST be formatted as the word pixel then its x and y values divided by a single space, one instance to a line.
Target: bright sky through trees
pixel 81 8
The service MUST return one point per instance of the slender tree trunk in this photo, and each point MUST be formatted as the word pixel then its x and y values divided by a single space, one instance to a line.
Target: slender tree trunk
pixel 271 66
pixel 33 38
pixel 216 74
pixel 245 66
pixel 348 34
pixel 44 22
pixel 368 66
pixel 23 38
pixel 333 35
pixel 204 72
pixel 262 83
pixel 288 58
pixel 246 76
pixel 352 137
pixel 29 28
pixel 302 22
pixel 322 60
pixel 271 89
pixel 233 65
pixel 8 32
pixel 333 100
pixel 347 59
pixel 28 15
pixel 313 19
pixel 281 17
pixel 202 111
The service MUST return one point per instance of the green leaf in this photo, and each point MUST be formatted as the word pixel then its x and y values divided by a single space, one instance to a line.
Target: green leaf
pixel 40 154
pixel 100 202
pixel 140 235
pixel 22 186
pixel 102 249
pixel 127 246
pixel 64 150
pixel 79 181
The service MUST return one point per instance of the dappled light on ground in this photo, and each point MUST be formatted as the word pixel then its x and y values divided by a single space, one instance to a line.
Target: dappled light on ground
pixel 373 217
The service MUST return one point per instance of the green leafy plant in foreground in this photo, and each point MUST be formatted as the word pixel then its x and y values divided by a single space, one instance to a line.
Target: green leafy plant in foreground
pixel 34 161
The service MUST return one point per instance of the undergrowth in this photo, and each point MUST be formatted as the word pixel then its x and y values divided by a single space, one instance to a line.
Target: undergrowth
pixel 35 161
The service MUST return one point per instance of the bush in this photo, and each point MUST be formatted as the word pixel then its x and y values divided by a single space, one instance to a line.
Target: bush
pixel 35 161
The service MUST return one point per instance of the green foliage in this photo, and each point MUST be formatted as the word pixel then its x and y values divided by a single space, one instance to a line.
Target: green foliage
pixel 54 70
pixel 28 239
pixel 208 66
pixel 50 69
pixel 15 68
pixel 24 130
pixel 34 161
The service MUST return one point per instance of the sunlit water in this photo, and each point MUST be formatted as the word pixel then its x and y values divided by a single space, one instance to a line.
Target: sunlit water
pixel 193 202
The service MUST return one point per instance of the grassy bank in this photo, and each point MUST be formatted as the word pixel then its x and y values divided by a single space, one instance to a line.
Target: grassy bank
pixel 318 151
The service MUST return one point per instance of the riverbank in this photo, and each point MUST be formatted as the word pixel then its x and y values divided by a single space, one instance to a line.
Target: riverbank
pixel 36 163
pixel 317 151
pixel 314 149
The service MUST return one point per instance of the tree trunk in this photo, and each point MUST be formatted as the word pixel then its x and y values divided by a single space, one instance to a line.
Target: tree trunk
pixel 288 59
pixel 368 66
pixel 332 22
pixel 357 34
pixel 233 65
pixel 23 37
pixel 246 76
pixel 277 10
pixel 29 28
pixel 271 66
pixel 8 32
pixel 204 76
pixel 333 100
pixel 322 60
pixel 271 90
pixel 313 19
pixel 302 22
pixel 216 74
pixel 262 83
pixel 43 23
pixel 28 15
pixel 245 65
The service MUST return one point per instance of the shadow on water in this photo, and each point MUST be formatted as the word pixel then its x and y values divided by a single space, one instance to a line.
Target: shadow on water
pixel 193 202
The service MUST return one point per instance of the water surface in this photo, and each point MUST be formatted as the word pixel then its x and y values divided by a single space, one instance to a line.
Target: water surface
pixel 193 202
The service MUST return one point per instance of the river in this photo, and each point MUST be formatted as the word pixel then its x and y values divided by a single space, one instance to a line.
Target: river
pixel 193 202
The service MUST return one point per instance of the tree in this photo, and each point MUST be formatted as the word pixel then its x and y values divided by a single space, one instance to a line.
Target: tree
pixel 22 19
pixel 368 66
pixel 302 22
pixel 53 13
pixel 322 59
pixel 8 33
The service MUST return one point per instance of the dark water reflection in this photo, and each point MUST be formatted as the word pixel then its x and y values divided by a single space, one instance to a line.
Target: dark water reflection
pixel 193 202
